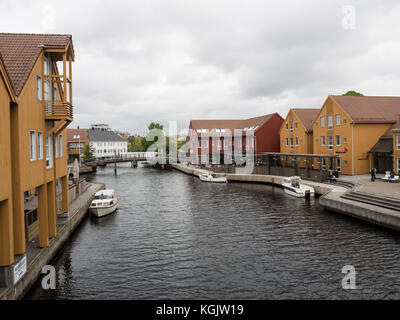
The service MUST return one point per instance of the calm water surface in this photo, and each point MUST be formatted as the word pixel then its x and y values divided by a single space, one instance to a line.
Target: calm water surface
pixel 175 237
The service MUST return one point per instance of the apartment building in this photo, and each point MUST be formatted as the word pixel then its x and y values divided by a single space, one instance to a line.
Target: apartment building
pixel 35 109
pixel 211 137
pixel 351 127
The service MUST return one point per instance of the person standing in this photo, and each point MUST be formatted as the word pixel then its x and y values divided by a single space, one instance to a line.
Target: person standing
pixel 373 175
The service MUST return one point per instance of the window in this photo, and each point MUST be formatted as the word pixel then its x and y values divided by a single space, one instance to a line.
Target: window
pixel 287 127
pixel 49 152
pixel 32 144
pixel 56 146
pixel 287 142
pixel 60 140
pixel 330 142
pixel 330 122
pixel 40 146
pixel 291 125
pixel 204 144
pixel 322 122
pixel 323 164
pixel 338 119
pixel 339 164
pixel 297 141
pixel 345 163
pixel 344 140
pixel 296 125
pixel 323 141
pixel 344 121
pixel 397 142
pixel 398 165
pixel 291 143
pixel 39 87
pixel 338 140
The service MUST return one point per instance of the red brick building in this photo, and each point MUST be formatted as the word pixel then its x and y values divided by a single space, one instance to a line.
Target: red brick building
pixel 213 137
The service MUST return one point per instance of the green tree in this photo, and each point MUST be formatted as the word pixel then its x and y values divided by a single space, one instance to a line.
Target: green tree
pixel 88 153
pixel 353 93
pixel 135 144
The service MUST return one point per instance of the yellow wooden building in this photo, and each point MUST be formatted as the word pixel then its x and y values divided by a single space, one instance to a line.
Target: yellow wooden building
pixel 351 127
pixel 296 133
pixel 35 109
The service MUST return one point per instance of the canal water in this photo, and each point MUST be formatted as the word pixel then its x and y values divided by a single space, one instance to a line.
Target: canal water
pixel 175 237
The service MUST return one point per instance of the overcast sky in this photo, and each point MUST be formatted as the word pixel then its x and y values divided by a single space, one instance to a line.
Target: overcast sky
pixel 143 61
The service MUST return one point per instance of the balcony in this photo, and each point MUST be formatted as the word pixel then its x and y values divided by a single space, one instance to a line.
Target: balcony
pixel 58 111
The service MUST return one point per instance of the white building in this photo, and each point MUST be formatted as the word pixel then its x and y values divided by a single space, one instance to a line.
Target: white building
pixel 107 143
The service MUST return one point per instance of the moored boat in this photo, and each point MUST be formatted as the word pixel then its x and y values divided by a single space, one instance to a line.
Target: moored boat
pixel 294 187
pixel 207 177
pixel 105 202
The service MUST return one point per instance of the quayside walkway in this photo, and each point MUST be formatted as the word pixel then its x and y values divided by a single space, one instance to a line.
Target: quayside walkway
pixel 38 257
pixel 376 202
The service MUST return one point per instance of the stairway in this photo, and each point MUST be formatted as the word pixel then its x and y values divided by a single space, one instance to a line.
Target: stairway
pixel 380 201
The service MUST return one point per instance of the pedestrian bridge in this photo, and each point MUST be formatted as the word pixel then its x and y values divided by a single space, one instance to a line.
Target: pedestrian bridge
pixel 133 157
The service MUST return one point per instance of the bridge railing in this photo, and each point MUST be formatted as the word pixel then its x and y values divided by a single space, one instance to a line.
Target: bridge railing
pixel 137 155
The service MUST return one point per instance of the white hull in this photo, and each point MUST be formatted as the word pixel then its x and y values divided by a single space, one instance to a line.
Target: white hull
pixel 212 179
pixel 101 212
pixel 299 193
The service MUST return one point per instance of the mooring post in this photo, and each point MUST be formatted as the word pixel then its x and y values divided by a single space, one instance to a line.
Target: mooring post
pixel 115 163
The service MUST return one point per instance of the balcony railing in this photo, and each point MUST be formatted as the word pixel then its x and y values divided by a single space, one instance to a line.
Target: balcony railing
pixel 58 111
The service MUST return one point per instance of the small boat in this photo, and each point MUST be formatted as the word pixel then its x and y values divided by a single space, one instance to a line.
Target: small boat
pixel 207 177
pixel 294 187
pixel 104 203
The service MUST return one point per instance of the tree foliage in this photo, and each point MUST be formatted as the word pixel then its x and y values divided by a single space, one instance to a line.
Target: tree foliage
pixel 353 93
pixel 88 153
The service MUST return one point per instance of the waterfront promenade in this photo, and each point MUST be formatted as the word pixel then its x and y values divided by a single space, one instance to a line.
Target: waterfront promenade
pixel 333 197
pixel 38 257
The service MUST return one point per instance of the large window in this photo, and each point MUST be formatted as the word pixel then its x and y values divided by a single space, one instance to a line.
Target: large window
pixel 330 142
pixel 338 140
pixel 60 140
pixel 297 141
pixel 338 119
pixel 40 145
pixel 291 143
pixel 291 125
pixel 49 152
pixel 323 143
pixel 39 87
pixel 32 145
pixel 322 122
pixel 287 142
pixel 330 122
pixel 56 146
pixel 397 142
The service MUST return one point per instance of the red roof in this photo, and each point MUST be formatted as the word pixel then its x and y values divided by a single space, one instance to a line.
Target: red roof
pixel 209 125
pixel 19 53
pixel 370 109
pixel 82 133
pixel 306 116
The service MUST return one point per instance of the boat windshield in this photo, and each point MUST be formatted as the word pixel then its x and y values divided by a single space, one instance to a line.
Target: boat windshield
pixel 103 196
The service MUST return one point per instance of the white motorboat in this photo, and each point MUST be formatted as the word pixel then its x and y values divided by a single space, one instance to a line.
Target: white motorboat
pixel 105 202
pixel 206 177
pixel 294 187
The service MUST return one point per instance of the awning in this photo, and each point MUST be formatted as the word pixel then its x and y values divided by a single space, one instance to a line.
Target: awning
pixel 383 146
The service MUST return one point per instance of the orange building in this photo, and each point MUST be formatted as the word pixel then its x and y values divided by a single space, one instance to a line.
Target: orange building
pixel 296 133
pixel 351 127
pixel 35 109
